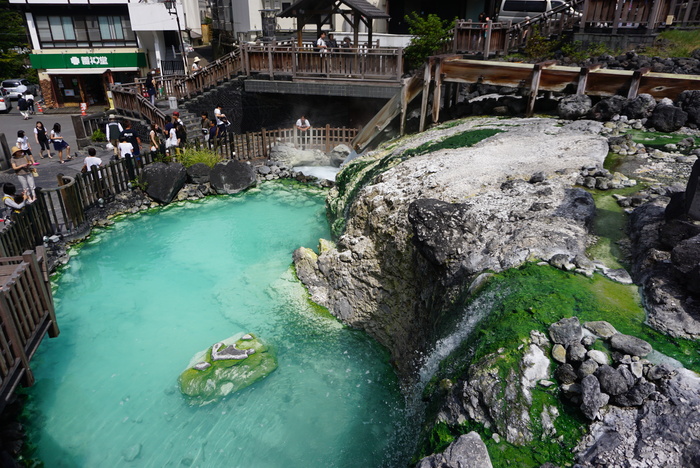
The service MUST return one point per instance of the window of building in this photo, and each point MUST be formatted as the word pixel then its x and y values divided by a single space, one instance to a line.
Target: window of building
pixel 85 31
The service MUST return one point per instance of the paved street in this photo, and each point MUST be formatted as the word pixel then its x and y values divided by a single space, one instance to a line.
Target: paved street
pixel 48 168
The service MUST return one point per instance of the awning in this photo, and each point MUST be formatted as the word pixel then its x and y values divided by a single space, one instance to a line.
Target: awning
pixel 87 71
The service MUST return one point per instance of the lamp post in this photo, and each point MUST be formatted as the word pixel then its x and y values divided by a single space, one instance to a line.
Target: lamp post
pixel 171 6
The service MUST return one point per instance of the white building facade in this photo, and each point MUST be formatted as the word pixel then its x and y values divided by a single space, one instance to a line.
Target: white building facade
pixel 79 47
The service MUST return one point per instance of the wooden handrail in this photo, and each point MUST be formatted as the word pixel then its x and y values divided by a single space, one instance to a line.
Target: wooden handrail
pixel 27 314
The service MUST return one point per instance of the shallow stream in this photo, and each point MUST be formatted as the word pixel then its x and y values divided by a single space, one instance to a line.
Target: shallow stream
pixel 141 298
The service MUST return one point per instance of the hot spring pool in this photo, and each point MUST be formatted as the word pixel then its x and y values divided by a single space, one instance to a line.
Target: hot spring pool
pixel 141 298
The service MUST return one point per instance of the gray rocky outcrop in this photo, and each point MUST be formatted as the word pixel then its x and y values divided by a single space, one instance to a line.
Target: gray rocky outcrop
pixel 163 181
pixel 293 156
pixel 501 403
pixel 670 302
pixel 468 451
pixel 664 433
pixel 416 230
pixel 232 177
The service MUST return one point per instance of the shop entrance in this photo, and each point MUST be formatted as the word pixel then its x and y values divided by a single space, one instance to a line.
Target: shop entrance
pixel 71 90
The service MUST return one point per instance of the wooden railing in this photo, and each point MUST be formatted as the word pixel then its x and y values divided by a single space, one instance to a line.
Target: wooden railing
pixel 129 100
pixel 221 69
pixel 685 13
pixel 479 38
pixel 27 228
pixel 624 14
pixel 26 315
pixel 67 203
pixel 358 64
pixel 254 145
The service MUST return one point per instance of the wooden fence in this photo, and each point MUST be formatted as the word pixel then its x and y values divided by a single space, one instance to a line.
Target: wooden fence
pixel 26 315
pixel 254 145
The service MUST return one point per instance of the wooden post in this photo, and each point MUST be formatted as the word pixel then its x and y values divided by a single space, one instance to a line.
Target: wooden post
pixel 404 107
pixel 328 141
pixel 437 96
pixel 634 84
pixel 487 40
pixel 654 19
pixel 618 15
pixel 269 61
pixel 17 347
pixel 582 81
pixel 426 89
pixel 534 89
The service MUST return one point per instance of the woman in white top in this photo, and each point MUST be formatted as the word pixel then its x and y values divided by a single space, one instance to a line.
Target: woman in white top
pixel 23 144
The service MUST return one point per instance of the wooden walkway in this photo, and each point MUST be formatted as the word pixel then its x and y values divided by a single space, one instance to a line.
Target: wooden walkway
pixel 443 74
pixel 26 316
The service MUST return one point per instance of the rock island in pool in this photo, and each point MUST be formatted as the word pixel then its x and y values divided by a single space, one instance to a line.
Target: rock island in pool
pixel 226 367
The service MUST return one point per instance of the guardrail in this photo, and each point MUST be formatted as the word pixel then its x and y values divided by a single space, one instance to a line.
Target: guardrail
pixel 26 315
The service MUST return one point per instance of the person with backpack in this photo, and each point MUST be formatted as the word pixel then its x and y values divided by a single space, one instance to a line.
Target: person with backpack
pixel 113 131
pixel 23 106
pixel 129 134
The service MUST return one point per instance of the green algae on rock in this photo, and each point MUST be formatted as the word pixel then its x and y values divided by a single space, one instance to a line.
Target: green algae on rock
pixel 226 367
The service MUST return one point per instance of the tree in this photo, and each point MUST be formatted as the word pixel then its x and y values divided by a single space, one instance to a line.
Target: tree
pixel 13 43
pixel 430 34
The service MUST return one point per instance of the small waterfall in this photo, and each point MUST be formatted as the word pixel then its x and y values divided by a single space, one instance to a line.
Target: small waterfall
pixel 471 314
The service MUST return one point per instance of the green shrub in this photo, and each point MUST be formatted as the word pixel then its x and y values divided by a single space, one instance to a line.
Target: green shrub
pixel 430 34
pixel 192 156
pixel 98 135
pixel 539 46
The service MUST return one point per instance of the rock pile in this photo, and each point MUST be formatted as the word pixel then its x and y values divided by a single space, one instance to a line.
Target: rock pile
pixel 596 177
pixel 587 375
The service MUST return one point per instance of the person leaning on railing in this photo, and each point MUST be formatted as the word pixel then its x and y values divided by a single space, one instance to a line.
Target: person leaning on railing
pixel 13 200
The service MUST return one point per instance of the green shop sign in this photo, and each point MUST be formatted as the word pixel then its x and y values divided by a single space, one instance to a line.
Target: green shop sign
pixel 120 60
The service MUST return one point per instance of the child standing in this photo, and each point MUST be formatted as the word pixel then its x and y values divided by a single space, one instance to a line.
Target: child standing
pixel 23 144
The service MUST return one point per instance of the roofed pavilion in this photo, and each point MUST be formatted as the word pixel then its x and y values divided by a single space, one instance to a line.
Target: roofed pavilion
pixel 319 12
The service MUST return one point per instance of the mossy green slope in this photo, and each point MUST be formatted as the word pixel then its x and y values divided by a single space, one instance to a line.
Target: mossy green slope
pixel 532 298
pixel 362 171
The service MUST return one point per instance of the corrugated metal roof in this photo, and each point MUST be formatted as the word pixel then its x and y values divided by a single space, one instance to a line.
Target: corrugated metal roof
pixel 362 6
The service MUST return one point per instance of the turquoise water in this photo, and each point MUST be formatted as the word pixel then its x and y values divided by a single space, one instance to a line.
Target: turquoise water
pixel 140 299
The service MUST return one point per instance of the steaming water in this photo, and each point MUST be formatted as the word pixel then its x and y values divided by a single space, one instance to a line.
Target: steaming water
pixel 141 299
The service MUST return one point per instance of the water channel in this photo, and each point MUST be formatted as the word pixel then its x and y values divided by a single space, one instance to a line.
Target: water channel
pixel 139 299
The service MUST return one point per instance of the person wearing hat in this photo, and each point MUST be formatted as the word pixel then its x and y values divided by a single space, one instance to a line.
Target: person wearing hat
pixel 195 65
pixel 113 131
pixel 21 166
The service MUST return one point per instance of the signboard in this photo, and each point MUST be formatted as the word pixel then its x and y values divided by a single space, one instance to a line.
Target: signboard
pixel 78 60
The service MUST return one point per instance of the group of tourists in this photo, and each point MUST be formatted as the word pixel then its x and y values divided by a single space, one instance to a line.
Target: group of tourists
pixel 326 43
pixel 44 139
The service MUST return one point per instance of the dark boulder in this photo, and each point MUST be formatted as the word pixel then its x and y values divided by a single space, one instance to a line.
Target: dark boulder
pixel 566 331
pixel 611 381
pixel 574 106
pixel 686 254
pixel 607 108
pixel 667 118
pixel 640 107
pixel 163 181
pixel 232 177
pixel 630 345
pixel 592 399
pixel 565 374
pixel 198 173
pixel 689 101
pixel 636 395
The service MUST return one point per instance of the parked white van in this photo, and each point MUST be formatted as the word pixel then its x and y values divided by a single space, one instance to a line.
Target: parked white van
pixel 517 10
